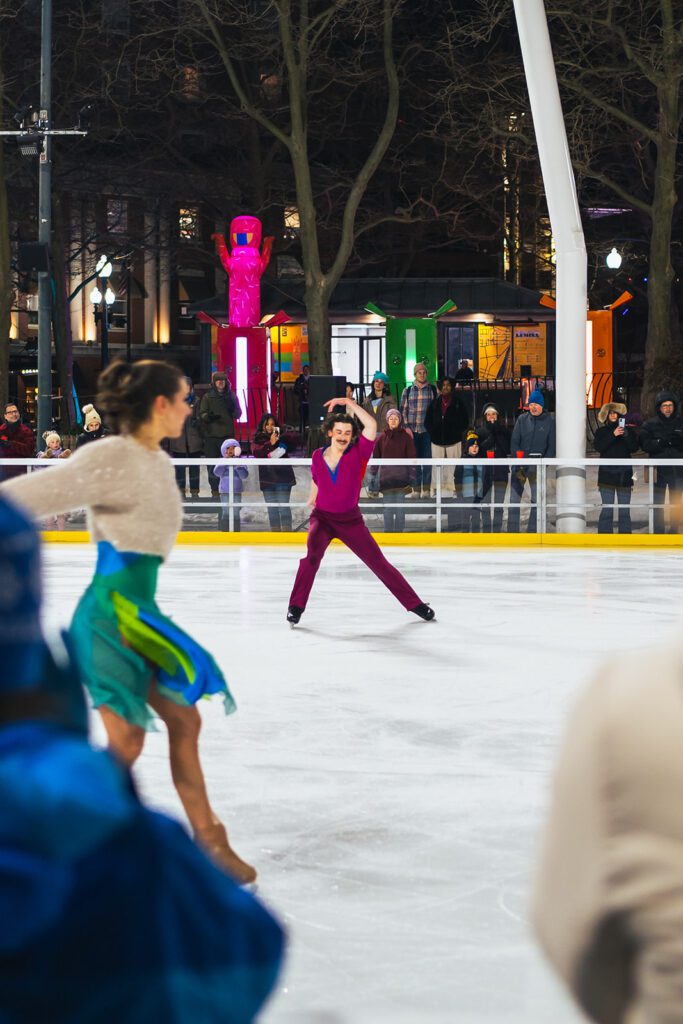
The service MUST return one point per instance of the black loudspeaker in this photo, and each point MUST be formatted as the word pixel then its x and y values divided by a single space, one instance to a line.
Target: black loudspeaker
pixel 525 370
pixel 34 257
pixel 320 390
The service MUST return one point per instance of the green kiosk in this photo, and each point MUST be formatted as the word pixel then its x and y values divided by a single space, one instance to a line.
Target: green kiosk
pixel 410 340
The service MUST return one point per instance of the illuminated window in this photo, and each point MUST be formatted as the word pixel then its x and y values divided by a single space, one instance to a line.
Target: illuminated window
pixel 191 87
pixel 292 219
pixel 188 223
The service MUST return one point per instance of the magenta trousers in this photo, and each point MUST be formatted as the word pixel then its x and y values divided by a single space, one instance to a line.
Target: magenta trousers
pixel 352 531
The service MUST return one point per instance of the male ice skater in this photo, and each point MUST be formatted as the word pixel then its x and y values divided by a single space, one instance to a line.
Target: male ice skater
pixel 337 472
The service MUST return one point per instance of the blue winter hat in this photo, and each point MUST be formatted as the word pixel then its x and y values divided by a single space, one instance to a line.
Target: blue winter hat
pixel 378 375
pixel 537 398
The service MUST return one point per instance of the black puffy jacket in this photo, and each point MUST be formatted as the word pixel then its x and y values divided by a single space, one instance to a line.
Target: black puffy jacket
pixel 662 437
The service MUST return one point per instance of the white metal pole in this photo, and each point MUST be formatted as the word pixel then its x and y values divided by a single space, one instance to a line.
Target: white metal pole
pixel 570 248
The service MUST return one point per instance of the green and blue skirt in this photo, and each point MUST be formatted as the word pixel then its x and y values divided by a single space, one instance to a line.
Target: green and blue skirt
pixel 123 643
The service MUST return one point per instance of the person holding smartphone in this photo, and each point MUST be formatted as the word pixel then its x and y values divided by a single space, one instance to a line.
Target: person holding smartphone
pixel 614 440
pixel 276 480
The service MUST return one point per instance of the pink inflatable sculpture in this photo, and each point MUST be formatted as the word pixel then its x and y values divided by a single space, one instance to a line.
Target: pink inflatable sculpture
pixel 244 265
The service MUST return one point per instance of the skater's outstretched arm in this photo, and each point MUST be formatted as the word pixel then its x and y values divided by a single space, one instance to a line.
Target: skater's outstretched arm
pixel 354 409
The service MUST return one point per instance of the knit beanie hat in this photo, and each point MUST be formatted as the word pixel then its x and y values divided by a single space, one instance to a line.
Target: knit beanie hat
pixel 378 375
pixel 471 439
pixel 537 398
pixel 49 435
pixel 393 412
pixel 231 443
pixel 91 416
pixel 489 407
pixel 218 375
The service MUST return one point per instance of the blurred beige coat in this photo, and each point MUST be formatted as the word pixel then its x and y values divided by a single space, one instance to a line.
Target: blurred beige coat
pixel 608 905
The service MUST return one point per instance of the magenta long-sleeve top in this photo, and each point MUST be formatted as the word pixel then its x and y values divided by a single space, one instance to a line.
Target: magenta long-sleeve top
pixel 339 491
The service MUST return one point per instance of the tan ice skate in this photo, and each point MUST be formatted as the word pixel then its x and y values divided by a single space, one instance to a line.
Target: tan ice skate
pixel 214 842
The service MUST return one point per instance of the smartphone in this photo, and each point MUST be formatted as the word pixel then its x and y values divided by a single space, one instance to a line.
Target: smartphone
pixel 276 431
pixel 622 422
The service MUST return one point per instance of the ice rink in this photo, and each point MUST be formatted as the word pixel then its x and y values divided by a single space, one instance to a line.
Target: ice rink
pixel 387 776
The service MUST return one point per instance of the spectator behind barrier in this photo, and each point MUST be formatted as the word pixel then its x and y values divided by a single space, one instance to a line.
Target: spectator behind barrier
pixel 415 401
pixel 218 411
pixel 109 911
pixel 93 429
pixel 395 482
pixel 614 439
pixel 533 435
pixel 662 438
pixel 494 440
pixel 17 441
pixel 189 445
pixel 446 422
pixel 277 479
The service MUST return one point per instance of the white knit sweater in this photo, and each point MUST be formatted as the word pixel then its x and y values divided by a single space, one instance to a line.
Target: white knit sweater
pixel 129 491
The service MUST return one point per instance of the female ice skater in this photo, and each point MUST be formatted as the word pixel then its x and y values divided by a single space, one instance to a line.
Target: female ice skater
pixel 131 656
pixel 337 472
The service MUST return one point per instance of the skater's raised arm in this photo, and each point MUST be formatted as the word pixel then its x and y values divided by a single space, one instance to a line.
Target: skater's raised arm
pixel 354 409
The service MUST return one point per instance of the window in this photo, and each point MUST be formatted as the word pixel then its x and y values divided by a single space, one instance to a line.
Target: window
pixel 191 87
pixel 117 215
pixel 292 219
pixel 188 223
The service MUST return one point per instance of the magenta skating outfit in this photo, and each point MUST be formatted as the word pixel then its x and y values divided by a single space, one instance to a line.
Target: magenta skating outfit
pixel 336 514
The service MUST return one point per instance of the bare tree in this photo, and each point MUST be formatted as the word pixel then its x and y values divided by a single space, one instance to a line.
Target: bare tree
pixel 620 66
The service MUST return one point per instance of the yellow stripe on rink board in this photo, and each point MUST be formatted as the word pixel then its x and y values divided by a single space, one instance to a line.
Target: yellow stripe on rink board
pixel 426 540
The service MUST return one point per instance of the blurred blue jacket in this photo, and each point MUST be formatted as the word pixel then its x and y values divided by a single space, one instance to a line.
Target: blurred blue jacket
pixel 109 911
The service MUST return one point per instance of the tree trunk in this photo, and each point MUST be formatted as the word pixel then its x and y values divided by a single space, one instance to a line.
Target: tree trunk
pixel 663 355
pixel 317 315
pixel 6 289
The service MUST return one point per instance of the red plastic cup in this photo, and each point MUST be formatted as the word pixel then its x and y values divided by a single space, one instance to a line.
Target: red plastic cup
pixel 490 455
pixel 520 455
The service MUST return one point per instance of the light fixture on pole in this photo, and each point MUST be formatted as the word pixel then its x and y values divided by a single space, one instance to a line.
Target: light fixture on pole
pixel 613 259
pixel 101 304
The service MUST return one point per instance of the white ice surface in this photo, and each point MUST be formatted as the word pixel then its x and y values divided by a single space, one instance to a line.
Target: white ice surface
pixel 388 776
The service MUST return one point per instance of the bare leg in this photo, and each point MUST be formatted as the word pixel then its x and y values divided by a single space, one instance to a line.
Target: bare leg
pixel 125 740
pixel 184 724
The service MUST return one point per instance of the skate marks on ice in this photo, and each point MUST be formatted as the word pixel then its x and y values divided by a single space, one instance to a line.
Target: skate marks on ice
pixel 388 776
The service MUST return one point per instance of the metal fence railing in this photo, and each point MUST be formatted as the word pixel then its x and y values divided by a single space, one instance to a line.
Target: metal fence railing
pixel 458 495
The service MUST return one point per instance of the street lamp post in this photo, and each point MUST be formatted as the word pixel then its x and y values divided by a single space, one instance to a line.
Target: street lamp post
pixel 101 303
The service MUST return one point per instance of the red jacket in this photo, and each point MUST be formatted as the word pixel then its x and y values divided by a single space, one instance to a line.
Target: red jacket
pixel 17 441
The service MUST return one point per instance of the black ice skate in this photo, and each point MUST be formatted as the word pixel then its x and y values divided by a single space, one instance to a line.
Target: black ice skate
pixel 294 613
pixel 423 610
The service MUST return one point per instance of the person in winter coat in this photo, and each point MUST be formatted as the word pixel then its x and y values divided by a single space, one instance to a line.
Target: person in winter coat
pixel 494 437
pixel 53 450
pixel 662 438
pixel 378 403
pixel 415 401
pixel 17 441
pixel 608 899
pixel 93 428
pixel 230 449
pixel 465 515
pixel 189 445
pixel 395 481
pixel 615 440
pixel 277 479
pixel 534 435
pixel 218 410
pixel 446 422
pixel 110 911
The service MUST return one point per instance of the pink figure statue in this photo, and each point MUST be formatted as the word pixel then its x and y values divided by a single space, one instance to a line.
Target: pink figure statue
pixel 244 266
